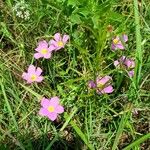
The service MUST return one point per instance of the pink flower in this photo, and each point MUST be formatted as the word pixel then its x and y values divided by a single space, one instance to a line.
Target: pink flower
pixel 43 50
pixel 51 108
pixel 131 73
pixel 104 85
pixel 117 44
pixel 127 64
pixel 33 74
pixel 130 63
pixel 59 41
pixel 91 84
pixel 120 61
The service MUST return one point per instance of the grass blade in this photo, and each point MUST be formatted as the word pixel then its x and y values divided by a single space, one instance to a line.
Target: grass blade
pixel 8 105
pixel 69 118
pixel 121 126
pixel 137 142
pixel 81 134
pixel 138 45
pixel 31 91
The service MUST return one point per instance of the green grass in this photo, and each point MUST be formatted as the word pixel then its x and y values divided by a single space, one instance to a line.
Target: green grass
pixel 102 122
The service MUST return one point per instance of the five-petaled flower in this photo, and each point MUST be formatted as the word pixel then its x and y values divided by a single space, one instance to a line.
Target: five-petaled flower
pixel 59 42
pixel 102 85
pixel 33 74
pixel 118 43
pixel 43 50
pixel 51 108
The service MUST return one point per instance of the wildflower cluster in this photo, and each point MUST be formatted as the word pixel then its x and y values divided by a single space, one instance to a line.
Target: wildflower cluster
pixel 50 107
pixel 45 49
pixel 21 9
pixel 123 62
pixel 103 83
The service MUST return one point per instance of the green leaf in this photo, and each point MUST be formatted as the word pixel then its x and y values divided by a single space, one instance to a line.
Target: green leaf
pixel 73 2
pixel 116 16
pixel 84 11
pixel 95 20
pixel 75 18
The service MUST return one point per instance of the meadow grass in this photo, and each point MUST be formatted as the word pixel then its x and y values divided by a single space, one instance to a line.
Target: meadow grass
pixel 119 120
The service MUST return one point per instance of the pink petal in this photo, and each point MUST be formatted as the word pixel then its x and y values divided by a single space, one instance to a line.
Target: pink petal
pixel 103 80
pixel 59 109
pixel 91 84
pixel 52 116
pixel 54 101
pixel 127 63
pixel 65 39
pixel 38 49
pixel 131 73
pixel 29 81
pixel 25 76
pixel 116 63
pixel 57 37
pixel 48 55
pixel 31 69
pixel 119 45
pixel 113 47
pixel 130 63
pixel 38 71
pixel 108 89
pixel 43 44
pixel 37 55
pixel 59 47
pixel 53 42
pixel 40 79
pixel 52 47
pixel 123 58
pixel 125 37
pixel 45 102
pixel 43 112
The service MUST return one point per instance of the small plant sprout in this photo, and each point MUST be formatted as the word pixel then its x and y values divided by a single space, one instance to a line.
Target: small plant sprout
pixel 117 42
pixel 51 108
pixel 33 74
pixel 125 63
pixel 43 50
pixel 59 41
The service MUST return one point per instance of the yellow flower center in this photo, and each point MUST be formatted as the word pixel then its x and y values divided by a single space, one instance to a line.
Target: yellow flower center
pixel 33 77
pixel 115 41
pixel 60 43
pixel 100 85
pixel 44 51
pixel 51 109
